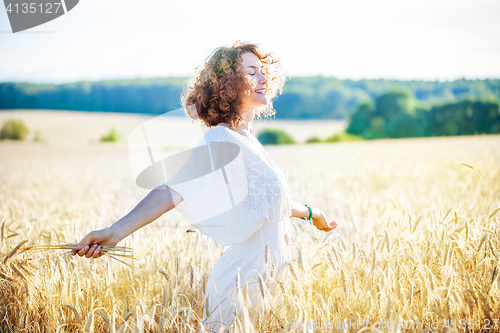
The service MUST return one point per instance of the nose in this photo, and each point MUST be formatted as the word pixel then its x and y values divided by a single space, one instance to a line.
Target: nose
pixel 263 79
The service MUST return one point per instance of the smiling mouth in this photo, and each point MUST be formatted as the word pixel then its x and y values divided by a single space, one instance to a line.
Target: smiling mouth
pixel 261 92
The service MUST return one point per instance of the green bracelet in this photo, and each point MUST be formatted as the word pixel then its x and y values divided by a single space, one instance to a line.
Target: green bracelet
pixel 310 214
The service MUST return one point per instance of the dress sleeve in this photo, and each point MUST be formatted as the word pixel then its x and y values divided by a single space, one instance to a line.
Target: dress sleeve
pixel 220 187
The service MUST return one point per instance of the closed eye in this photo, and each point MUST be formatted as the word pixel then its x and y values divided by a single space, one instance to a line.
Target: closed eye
pixel 262 71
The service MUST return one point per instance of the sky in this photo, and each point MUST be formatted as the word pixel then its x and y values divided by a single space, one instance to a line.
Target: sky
pixel 352 39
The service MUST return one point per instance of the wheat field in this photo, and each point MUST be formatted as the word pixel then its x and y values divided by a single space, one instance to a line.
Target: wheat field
pixel 416 248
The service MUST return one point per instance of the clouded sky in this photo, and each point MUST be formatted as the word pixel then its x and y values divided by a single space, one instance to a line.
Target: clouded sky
pixel 108 39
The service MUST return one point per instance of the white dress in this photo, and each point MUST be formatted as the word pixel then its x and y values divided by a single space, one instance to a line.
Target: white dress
pixel 244 204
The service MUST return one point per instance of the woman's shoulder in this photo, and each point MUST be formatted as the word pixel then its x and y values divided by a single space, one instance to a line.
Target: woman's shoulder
pixel 225 134
pixel 219 133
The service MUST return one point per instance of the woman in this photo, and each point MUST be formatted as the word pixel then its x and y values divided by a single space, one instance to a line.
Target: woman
pixel 235 86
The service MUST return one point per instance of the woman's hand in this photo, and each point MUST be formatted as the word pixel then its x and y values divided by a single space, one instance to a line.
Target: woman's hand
pixel 320 221
pixel 90 245
pixel 318 217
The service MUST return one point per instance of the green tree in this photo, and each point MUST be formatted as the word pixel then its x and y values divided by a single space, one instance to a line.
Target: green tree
pixel 342 136
pixel 359 120
pixel 465 118
pixel 393 103
pixel 394 115
pixel 313 139
pixel 274 137
pixel 14 130
pixel 112 136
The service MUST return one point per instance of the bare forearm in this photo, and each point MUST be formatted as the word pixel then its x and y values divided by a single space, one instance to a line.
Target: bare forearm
pixel 300 210
pixel 159 201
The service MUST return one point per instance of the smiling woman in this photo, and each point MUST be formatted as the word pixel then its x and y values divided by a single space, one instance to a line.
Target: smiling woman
pixel 230 77
pixel 245 204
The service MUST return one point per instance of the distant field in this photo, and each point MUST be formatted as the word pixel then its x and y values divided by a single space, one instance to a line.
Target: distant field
pixel 68 127
pixel 418 237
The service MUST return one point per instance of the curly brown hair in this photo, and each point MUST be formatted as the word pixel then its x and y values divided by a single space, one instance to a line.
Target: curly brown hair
pixel 216 92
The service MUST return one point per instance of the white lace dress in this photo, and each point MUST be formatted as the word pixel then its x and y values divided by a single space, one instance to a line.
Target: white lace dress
pixel 245 204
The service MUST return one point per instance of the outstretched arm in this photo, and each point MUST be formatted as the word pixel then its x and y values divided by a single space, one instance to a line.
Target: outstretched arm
pixel 155 204
pixel 319 218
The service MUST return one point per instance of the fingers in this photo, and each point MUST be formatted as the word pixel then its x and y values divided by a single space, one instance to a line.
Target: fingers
pixel 323 225
pixel 91 251
pixel 83 251
pixel 84 245
pixel 329 227
pixel 97 252
pixel 89 246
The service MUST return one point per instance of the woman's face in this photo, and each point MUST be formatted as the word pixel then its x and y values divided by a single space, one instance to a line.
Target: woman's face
pixel 253 68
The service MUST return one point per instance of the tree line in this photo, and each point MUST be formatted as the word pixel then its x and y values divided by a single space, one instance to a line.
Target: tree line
pixel 396 114
pixel 302 98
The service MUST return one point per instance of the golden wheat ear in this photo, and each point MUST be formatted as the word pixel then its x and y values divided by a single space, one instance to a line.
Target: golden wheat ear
pixel 112 251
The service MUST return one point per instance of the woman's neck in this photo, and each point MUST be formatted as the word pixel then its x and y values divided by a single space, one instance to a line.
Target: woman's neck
pixel 245 127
